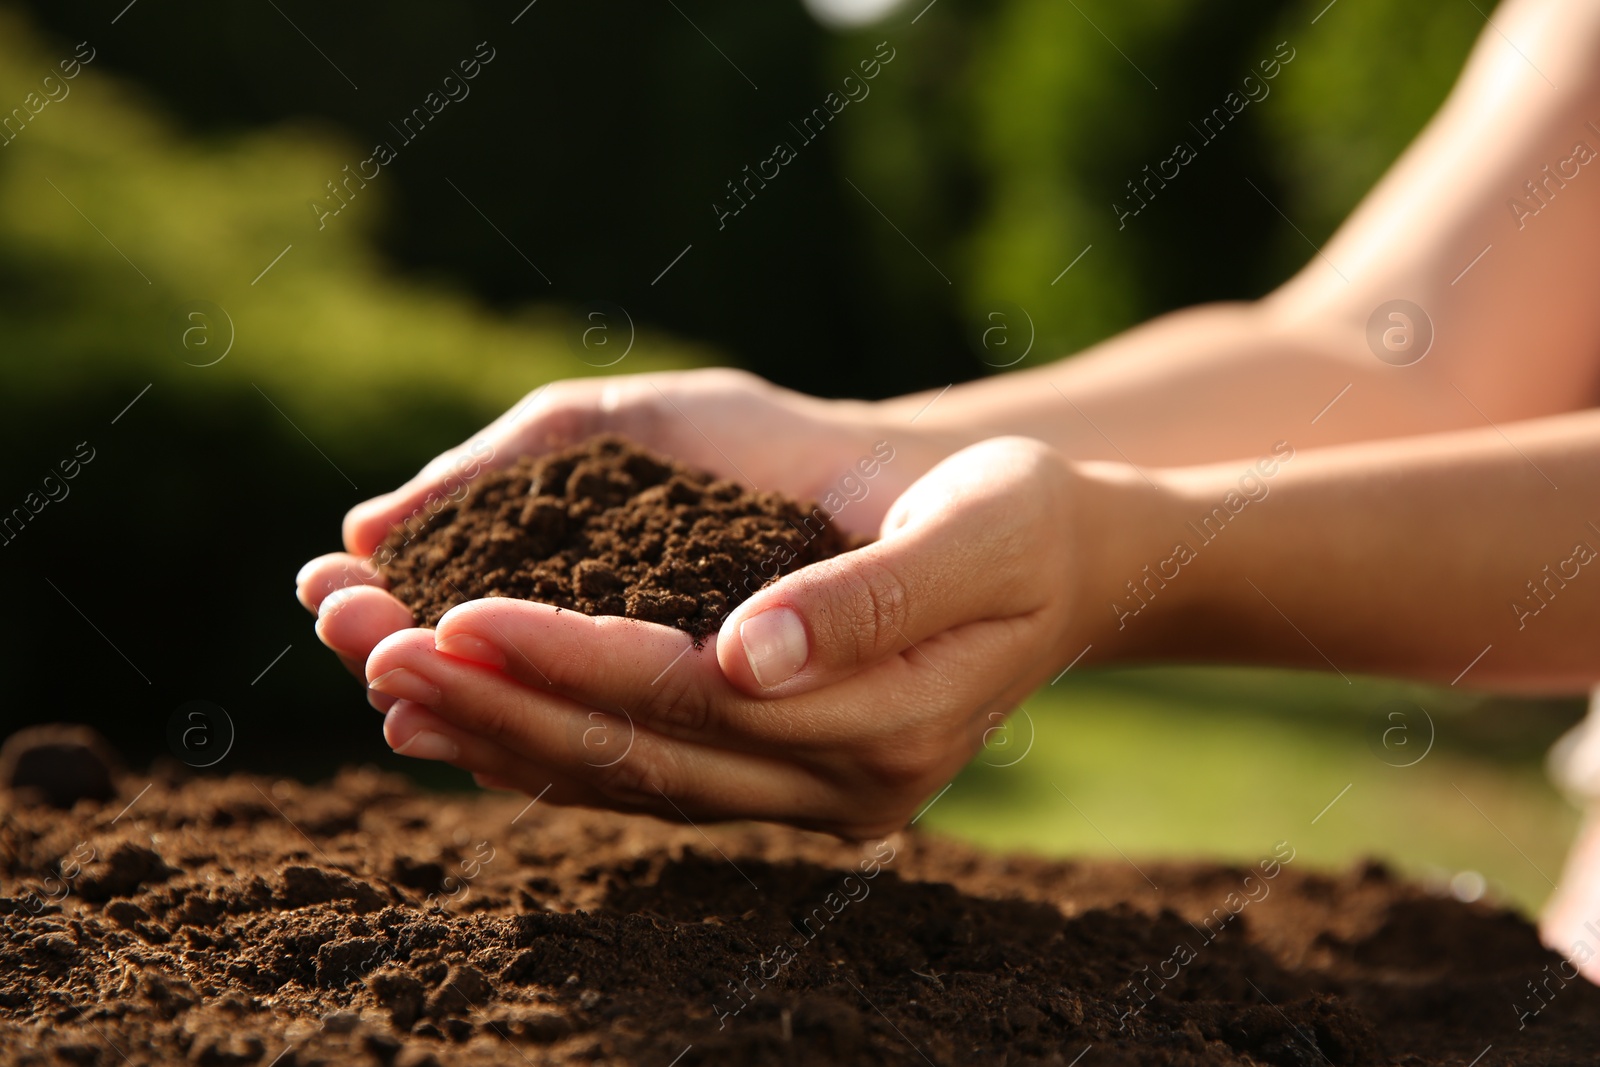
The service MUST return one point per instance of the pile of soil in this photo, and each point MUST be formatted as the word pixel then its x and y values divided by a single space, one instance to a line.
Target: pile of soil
pixel 606 528
pixel 245 921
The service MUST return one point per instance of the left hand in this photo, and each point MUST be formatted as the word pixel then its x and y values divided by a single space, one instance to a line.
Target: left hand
pixel 837 698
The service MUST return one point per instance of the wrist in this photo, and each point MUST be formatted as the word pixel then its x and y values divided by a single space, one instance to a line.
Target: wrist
pixel 1170 585
pixel 919 444
pixel 1132 553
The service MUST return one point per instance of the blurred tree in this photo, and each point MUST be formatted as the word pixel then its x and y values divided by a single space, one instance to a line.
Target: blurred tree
pixel 227 446
pixel 1361 97
pixel 1021 124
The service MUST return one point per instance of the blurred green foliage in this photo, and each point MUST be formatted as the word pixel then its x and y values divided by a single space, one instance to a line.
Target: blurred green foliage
pixel 111 220
pixel 995 145
pixel 1016 127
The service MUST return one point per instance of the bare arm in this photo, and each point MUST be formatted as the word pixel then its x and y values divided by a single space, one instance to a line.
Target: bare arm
pixel 1406 557
pixel 1517 336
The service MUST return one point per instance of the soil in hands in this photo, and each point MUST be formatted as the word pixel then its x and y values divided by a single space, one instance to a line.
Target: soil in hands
pixel 606 528
pixel 246 922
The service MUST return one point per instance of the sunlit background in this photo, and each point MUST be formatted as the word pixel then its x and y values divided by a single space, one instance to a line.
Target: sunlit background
pixel 175 176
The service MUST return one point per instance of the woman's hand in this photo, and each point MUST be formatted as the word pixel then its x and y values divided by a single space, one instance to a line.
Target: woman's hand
pixel 837 698
pixel 726 421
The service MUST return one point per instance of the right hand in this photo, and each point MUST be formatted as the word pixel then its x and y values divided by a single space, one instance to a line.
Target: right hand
pixel 729 422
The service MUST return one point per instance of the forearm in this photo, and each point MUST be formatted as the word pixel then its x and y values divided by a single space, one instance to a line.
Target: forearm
pixel 1400 557
pixel 1224 381
pixel 1197 386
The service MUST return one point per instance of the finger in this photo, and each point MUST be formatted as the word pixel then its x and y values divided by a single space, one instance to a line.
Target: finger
pixel 327 573
pixel 358 669
pixel 353 620
pixel 891 733
pixel 412 730
pixel 952 552
pixel 656 675
pixel 653 672
pixel 630 764
pixel 548 417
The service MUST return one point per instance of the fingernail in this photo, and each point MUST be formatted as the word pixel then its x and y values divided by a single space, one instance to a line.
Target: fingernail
pixel 470 648
pixel 425 744
pixel 380 701
pixel 334 601
pixel 774 644
pixel 406 685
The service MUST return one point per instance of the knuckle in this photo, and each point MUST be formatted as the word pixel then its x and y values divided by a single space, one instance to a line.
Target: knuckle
pixel 634 779
pixel 599 739
pixel 494 720
pixel 726 377
pixel 901 764
pixel 677 705
pixel 567 674
pixel 558 413
pixel 880 605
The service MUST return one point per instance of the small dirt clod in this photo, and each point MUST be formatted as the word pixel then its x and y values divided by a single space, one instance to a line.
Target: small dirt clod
pixel 58 765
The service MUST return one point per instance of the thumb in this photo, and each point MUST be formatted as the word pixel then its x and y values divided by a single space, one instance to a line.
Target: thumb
pixel 955 548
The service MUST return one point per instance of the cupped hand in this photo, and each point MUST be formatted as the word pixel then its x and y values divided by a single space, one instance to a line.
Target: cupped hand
pixel 837 698
pixel 726 421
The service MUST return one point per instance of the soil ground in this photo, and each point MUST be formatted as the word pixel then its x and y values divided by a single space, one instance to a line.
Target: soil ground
pixel 242 920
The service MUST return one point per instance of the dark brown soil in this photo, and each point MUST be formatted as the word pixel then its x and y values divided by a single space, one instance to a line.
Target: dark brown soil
pixel 606 528
pixel 246 921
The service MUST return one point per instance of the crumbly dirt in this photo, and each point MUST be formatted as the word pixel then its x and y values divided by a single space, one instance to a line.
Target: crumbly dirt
pixel 606 528
pixel 246 921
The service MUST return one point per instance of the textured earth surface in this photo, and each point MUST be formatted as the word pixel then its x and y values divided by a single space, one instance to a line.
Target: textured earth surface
pixel 606 528
pixel 247 921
